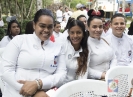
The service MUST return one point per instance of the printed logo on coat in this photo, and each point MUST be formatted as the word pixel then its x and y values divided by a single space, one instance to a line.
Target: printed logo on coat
pixel 55 62
pixel 129 53
pixel 69 56
pixel 112 85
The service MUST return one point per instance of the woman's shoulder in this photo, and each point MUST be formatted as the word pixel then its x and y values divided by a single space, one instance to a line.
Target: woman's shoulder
pixel 5 37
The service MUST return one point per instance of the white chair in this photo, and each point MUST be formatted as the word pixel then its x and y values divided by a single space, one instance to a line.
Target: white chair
pixel 119 80
pixel 83 88
pixel 1 81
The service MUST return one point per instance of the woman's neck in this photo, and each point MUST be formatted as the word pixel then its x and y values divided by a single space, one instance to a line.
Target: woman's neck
pixel 76 47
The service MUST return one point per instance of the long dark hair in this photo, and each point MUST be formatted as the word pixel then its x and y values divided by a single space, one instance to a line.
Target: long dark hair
pixel 9 34
pixel 82 60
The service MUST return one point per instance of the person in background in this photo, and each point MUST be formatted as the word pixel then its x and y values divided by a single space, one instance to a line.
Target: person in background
pixel 59 14
pixel 12 30
pixel 83 19
pixel 79 11
pixel 57 28
pixel 32 64
pixel 67 13
pixel 102 57
pixel 29 28
pixel 1 23
pixel 85 11
pixel 120 42
pixel 63 23
pixel 76 52
pixel 65 31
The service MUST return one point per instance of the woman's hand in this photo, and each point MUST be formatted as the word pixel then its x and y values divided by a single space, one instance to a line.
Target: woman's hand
pixel 29 87
pixel 40 94
pixel 103 75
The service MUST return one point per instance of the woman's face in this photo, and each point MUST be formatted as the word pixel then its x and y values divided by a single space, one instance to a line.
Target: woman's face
pixel 44 27
pixel 57 28
pixel 76 35
pixel 118 25
pixel 14 30
pixel 96 28
pixel 84 20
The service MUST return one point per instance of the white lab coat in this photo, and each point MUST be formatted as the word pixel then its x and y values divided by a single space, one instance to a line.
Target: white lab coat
pixel 5 40
pixel 71 62
pixel 101 57
pixel 24 59
pixel 123 48
pixel 59 15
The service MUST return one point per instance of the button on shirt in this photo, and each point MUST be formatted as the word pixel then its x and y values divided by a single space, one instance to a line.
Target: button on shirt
pixel 29 61
pixel 101 57
pixel 123 48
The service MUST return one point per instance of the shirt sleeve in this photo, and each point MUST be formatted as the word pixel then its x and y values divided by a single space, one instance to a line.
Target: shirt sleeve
pixel 56 79
pixel 94 74
pixel 4 41
pixel 9 58
pixel 113 61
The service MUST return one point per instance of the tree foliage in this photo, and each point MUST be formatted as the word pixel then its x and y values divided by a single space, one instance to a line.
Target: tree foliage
pixel 73 3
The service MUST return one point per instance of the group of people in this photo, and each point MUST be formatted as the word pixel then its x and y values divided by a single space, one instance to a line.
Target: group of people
pixel 63 17
pixel 34 63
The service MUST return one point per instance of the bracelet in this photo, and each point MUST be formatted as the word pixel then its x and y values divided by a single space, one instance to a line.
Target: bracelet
pixel 38 84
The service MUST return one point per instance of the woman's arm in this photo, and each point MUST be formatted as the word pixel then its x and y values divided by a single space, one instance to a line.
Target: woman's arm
pixel 95 74
pixel 9 62
pixel 56 79
pixel 113 62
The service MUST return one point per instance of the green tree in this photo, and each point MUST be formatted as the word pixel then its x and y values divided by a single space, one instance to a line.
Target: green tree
pixel 73 3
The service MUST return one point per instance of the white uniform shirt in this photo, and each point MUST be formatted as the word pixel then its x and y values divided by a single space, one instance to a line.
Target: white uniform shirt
pixel 5 40
pixel 71 62
pixel 29 61
pixel 63 24
pixel 59 15
pixel 57 36
pixel 123 48
pixel 101 57
pixel 65 35
pixel 67 15
pixel 1 23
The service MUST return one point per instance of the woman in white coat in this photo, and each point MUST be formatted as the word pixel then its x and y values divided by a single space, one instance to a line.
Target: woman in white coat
pixel 12 30
pixel 32 63
pixel 76 51
pixel 101 54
